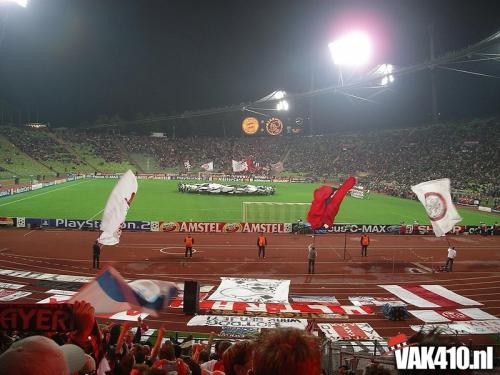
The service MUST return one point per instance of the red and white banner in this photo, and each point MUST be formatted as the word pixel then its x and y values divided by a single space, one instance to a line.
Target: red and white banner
pixel 220 227
pixel 239 166
pixel 375 301
pixel 178 301
pixel 295 308
pixel 472 327
pixel 441 316
pixel 130 315
pixel 431 296
pixel 349 331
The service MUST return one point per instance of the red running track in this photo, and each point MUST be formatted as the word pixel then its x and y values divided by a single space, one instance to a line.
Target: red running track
pixel 391 259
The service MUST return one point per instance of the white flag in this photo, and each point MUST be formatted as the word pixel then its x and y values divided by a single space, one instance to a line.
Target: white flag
pixel 187 165
pixel 240 166
pixel 436 198
pixel 116 209
pixel 208 166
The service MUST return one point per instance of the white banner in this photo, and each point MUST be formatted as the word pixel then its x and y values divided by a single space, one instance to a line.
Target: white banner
pixel 12 295
pixel 314 299
pixel 440 316
pixel 349 331
pixel 240 166
pixel 246 321
pixel 472 327
pixel 11 286
pixel 208 166
pixel 375 301
pixel 116 208
pixel 436 198
pixel 251 290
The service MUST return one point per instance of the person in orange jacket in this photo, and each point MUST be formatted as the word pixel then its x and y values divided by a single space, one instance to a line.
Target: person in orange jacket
pixel 189 242
pixel 261 244
pixel 365 241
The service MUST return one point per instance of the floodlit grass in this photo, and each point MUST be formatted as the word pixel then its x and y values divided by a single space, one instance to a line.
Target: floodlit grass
pixel 160 200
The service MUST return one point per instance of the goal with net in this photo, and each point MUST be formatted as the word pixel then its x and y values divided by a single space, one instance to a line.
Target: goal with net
pixel 274 212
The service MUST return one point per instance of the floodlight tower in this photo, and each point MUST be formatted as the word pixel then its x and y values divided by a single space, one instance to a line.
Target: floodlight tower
pixel 352 49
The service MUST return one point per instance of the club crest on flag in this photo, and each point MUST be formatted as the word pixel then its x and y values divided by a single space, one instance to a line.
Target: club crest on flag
pixel 435 205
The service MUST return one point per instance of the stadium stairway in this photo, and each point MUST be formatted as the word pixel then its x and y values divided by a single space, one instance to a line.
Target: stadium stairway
pixel 130 159
pixel 43 168
pixel 72 151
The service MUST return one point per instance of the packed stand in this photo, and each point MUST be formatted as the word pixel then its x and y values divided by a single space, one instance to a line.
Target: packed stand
pixel 38 144
pixel 117 350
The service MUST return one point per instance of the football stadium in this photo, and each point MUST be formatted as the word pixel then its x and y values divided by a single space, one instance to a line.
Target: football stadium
pixel 341 219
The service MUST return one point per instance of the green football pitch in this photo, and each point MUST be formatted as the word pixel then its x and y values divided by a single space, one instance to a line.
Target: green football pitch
pixel 160 200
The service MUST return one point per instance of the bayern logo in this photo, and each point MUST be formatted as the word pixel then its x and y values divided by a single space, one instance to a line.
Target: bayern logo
pixel 435 205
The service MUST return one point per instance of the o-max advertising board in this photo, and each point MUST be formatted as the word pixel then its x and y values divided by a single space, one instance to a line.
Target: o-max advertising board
pixel 220 227
pixel 84 224
pixel 390 228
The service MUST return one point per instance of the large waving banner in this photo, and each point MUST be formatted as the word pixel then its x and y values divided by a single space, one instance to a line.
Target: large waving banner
pixel 251 290
pixel 246 321
pixel 436 198
pixel 349 331
pixel 116 209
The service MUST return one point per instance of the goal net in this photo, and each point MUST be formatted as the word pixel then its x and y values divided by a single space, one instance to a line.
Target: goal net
pixel 274 212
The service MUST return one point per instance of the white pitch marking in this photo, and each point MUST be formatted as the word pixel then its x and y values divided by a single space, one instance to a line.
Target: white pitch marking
pixel 90 218
pixel 164 250
pixel 37 195
pixel 27 234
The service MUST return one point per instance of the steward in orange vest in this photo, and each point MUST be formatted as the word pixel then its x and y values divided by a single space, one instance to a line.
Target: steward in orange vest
pixel 189 241
pixel 365 241
pixel 261 244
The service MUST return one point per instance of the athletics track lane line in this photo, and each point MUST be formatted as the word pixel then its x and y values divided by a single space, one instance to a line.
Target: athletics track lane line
pixel 37 195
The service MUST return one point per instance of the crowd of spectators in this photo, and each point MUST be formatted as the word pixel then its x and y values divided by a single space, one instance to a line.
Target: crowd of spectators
pixel 388 161
pixel 116 349
pixel 38 144
pixel 107 147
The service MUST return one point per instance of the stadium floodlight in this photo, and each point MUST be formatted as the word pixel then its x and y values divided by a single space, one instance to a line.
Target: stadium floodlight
pixel 385 70
pixel 279 95
pixel 282 105
pixel 353 48
pixel 22 3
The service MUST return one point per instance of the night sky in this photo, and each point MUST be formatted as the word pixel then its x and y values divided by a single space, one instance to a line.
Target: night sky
pixel 69 61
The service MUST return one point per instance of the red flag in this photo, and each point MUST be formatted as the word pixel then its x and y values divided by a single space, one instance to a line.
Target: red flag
pixel 326 203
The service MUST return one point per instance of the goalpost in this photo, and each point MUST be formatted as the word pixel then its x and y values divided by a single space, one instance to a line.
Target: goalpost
pixel 274 212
